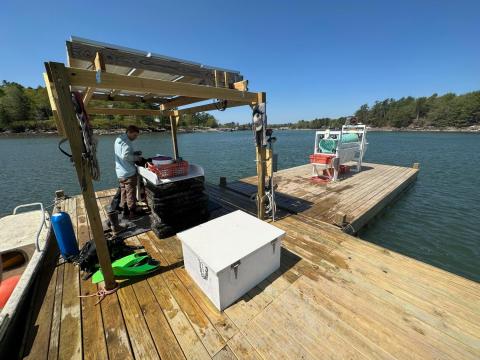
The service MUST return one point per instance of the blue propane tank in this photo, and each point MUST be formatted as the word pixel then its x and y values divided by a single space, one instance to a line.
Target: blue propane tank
pixel 63 229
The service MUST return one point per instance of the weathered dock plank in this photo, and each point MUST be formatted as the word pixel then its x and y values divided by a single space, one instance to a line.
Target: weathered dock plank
pixel 335 296
pixel 357 196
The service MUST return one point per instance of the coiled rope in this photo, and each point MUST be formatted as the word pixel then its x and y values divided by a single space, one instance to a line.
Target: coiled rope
pixel 89 140
pixel 101 294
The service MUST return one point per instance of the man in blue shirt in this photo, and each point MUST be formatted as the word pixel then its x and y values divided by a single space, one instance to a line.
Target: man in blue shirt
pixel 125 157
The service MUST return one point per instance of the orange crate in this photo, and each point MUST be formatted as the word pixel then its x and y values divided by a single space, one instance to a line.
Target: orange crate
pixel 321 158
pixel 169 170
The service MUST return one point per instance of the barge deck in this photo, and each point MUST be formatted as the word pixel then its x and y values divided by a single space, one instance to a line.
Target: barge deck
pixel 351 202
pixel 335 296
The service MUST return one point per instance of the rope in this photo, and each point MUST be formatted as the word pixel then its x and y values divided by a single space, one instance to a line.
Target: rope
pixel 270 204
pixel 271 207
pixel 56 202
pixel 101 294
pixel 89 141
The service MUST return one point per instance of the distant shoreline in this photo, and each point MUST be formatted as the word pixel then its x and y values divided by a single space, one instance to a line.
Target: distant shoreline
pixel 113 132
pixel 471 129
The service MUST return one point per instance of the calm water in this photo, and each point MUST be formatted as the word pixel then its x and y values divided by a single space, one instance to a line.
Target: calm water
pixel 436 221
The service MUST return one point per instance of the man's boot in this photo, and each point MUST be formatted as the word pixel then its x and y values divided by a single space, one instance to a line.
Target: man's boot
pixel 114 222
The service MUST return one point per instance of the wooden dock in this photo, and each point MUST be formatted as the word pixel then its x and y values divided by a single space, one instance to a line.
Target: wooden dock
pixel 335 296
pixel 350 202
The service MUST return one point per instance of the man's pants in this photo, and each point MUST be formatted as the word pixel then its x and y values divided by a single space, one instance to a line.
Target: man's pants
pixel 128 192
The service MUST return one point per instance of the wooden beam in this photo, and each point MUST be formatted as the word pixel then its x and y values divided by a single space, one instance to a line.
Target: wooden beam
pixel 132 112
pixel 99 65
pixel 133 72
pixel 209 107
pixel 81 77
pixel 225 74
pixel 173 127
pixel 53 105
pixel 216 77
pixel 261 168
pixel 179 101
pixel 222 79
pixel 114 93
pixel 241 85
pixel 99 62
pixel 340 219
pixel 129 98
pixel 58 76
pixel 88 95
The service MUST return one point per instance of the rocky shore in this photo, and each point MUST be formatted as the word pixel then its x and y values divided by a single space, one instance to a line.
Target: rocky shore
pixel 473 128
pixel 27 132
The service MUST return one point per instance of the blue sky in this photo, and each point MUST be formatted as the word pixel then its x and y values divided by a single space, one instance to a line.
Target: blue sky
pixel 313 58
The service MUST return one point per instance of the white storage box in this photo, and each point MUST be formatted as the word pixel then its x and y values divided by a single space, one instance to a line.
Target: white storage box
pixel 230 255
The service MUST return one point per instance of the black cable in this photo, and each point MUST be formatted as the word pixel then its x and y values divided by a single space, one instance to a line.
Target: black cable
pixel 223 105
pixel 63 151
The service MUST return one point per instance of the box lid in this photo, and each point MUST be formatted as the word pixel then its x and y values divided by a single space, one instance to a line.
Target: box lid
pixel 224 240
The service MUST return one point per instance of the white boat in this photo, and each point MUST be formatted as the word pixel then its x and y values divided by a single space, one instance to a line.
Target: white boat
pixel 24 240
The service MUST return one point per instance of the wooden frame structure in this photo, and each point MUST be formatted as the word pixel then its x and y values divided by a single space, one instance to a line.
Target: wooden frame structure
pixel 111 73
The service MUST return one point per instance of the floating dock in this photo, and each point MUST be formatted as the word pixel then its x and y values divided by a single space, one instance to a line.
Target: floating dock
pixel 350 202
pixel 335 295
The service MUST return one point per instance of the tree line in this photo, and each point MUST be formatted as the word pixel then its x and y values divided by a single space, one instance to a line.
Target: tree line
pixel 18 103
pixel 23 108
pixel 449 110
pixel 29 108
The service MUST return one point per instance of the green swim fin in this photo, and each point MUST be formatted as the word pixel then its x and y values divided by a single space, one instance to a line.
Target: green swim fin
pixel 130 260
pixel 137 267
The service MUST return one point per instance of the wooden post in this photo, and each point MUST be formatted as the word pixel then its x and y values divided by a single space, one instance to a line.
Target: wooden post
pixel 53 105
pixel 174 120
pixel 261 156
pixel 416 165
pixel 66 113
pixel 340 219
pixel 59 194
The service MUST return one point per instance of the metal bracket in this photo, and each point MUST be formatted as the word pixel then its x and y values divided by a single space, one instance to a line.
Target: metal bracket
pixel 274 244
pixel 234 267
pixel 203 270
pixel 98 76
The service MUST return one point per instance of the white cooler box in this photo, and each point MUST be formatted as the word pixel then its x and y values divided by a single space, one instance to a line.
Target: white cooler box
pixel 230 255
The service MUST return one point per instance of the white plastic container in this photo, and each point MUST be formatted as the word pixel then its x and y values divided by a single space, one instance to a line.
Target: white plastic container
pixel 193 171
pixel 162 160
pixel 230 255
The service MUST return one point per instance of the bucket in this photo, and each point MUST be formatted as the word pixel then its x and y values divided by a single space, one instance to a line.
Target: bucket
pixel 63 229
pixel 161 160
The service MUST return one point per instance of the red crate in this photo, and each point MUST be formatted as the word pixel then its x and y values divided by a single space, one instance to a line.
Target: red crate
pixel 321 158
pixel 169 170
